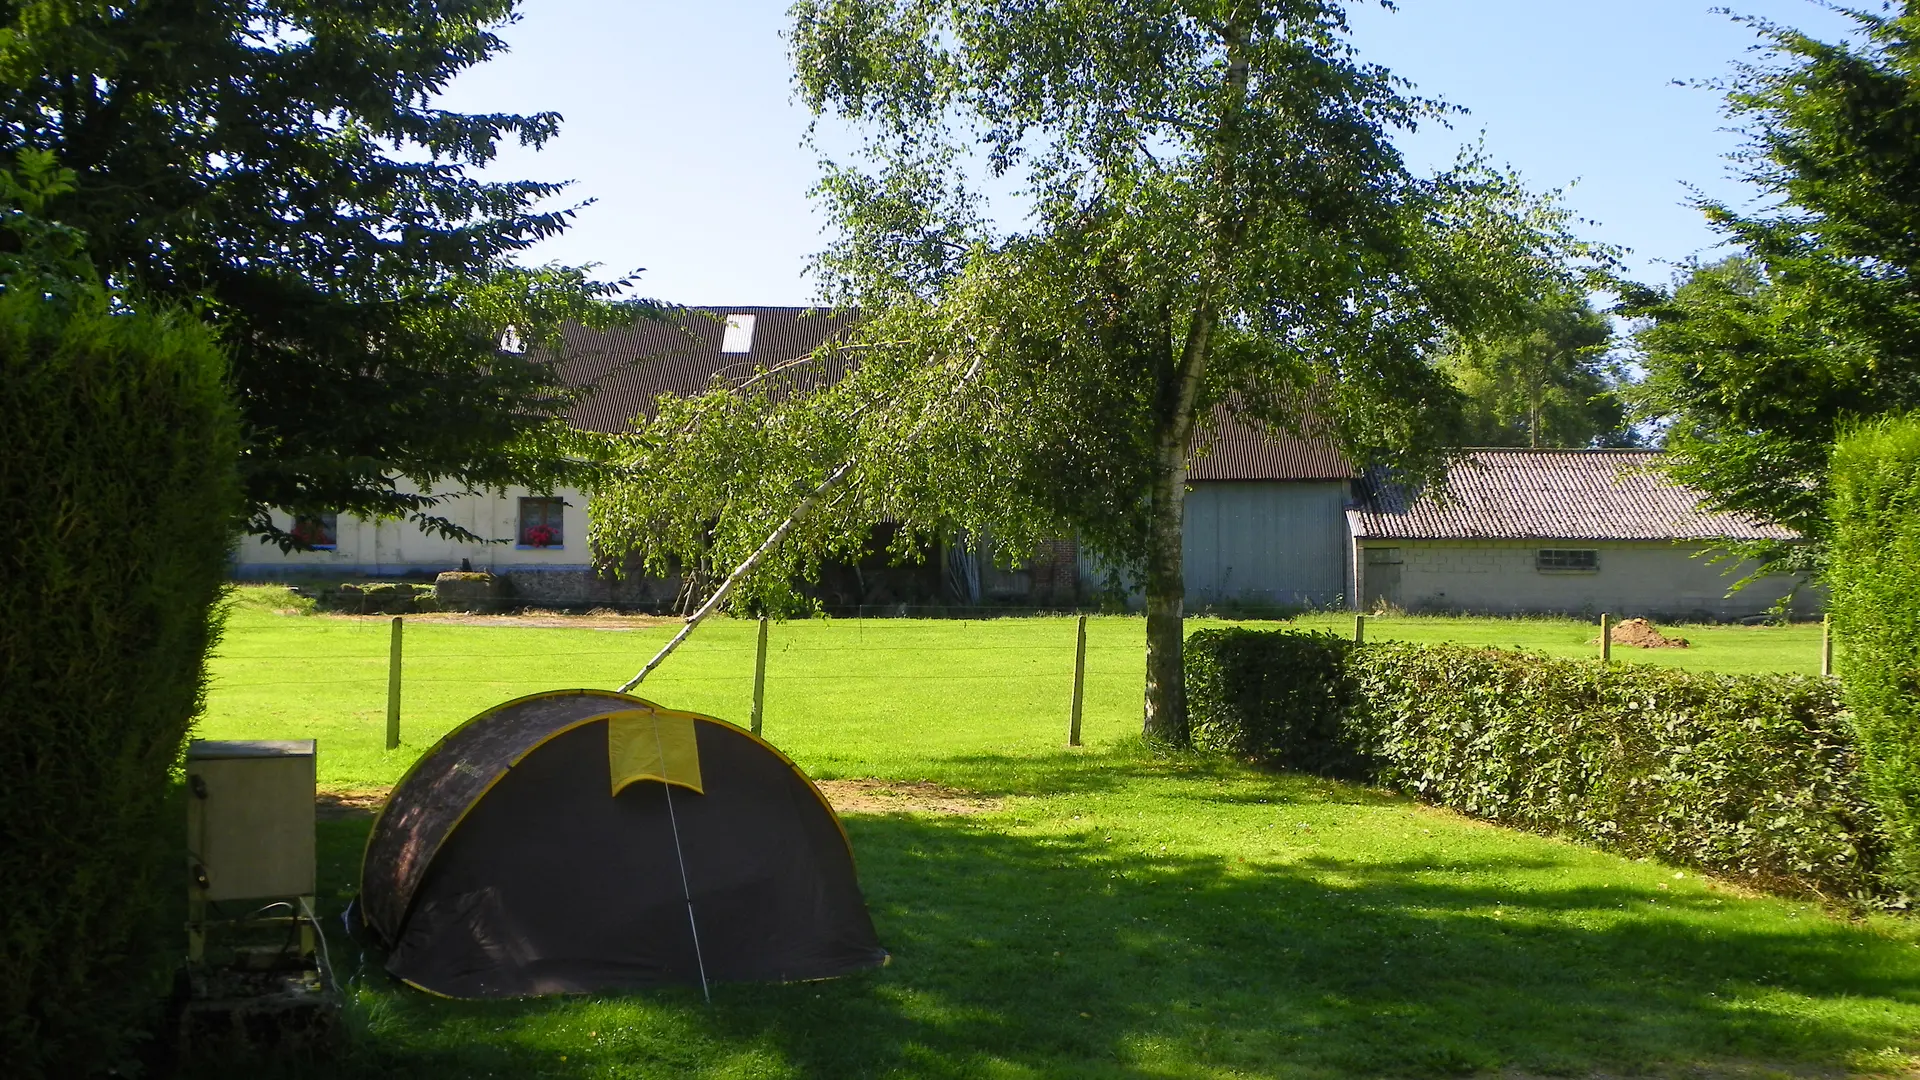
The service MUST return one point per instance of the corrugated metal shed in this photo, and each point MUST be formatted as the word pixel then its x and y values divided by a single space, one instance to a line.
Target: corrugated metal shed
pixel 1551 495
pixel 1266 543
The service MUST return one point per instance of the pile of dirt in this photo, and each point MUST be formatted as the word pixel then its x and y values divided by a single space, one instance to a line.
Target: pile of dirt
pixel 867 796
pixel 348 805
pixel 1642 634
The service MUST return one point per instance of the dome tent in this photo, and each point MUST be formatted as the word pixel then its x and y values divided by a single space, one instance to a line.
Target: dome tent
pixel 583 840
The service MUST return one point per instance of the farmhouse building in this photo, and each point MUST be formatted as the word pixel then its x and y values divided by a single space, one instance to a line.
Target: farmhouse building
pixel 1273 520
pixel 1512 531
pixel 1264 523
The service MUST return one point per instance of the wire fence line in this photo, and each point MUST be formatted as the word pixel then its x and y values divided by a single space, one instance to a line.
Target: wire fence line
pixel 427 661
pixel 350 667
pixel 463 664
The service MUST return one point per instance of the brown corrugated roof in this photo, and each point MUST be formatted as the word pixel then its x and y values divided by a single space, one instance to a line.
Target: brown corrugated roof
pixel 631 367
pixel 1232 448
pixel 1552 495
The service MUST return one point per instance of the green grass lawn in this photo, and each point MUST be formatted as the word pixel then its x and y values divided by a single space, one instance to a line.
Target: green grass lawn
pixel 1117 915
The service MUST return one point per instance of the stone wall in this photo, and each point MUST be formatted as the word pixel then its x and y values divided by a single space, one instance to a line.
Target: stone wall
pixel 576 587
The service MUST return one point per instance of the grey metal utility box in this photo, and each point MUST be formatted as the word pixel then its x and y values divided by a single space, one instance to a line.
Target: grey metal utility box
pixel 250 818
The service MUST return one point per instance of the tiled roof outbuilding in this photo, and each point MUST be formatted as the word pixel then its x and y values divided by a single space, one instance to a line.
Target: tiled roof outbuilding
pixel 1552 495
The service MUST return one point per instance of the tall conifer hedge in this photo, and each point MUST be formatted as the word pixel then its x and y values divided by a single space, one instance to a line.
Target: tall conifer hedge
pixel 118 498
pixel 1875 577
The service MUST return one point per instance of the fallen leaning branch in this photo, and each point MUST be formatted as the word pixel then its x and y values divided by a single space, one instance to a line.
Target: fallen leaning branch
pixel 772 542
pixel 740 572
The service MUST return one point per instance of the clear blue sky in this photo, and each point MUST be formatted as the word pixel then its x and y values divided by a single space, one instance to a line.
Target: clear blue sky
pixel 680 127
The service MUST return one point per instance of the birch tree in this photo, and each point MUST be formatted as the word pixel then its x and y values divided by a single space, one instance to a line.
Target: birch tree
pixel 1217 216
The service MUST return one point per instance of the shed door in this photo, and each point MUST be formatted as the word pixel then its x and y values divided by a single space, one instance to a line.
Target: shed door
pixel 1381 578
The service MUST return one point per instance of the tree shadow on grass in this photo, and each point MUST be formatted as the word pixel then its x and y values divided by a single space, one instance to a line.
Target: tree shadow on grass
pixel 1109 769
pixel 1057 955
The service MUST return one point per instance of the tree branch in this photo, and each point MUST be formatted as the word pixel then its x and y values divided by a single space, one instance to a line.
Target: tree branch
pixel 773 541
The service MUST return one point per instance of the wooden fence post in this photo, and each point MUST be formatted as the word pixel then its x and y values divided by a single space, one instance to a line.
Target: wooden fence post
pixel 1826 646
pixel 1079 681
pixel 760 677
pixel 1360 629
pixel 393 688
pixel 1606 638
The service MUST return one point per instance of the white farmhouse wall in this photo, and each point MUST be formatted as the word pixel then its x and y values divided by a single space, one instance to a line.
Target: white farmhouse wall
pixel 387 548
pixel 1634 578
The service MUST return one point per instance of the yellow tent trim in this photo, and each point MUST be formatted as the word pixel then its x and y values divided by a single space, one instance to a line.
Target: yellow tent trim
pixel 643 744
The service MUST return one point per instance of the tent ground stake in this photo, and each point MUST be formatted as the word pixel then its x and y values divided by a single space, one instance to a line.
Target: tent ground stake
pixel 760 677
pixel 1079 682
pixel 393 689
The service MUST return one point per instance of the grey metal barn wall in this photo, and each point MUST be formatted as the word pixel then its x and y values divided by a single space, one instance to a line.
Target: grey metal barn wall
pixel 1267 542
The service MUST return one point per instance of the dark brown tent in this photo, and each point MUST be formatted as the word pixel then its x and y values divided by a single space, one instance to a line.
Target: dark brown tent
pixel 584 840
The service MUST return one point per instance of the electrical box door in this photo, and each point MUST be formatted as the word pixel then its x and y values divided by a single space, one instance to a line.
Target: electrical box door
pixel 250 818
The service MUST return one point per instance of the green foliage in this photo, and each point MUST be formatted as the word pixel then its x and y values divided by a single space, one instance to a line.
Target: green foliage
pixel 119 502
pixel 279 167
pixel 1757 362
pixel 1753 776
pixel 1278 698
pixel 39 256
pixel 1549 383
pixel 1752 390
pixel 1874 572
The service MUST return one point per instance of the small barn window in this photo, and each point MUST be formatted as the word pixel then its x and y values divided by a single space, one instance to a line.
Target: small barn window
pixel 318 531
pixel 1567 560
pixel 542 522
pixel 1383 556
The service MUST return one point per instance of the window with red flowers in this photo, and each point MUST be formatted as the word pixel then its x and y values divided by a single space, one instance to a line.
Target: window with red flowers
pixel 318 531
pixel 541 523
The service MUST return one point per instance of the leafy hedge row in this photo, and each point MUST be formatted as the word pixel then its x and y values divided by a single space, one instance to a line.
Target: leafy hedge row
pixel 118 497
pixel 1874 573
pixel 1283 698
pixel 1755 776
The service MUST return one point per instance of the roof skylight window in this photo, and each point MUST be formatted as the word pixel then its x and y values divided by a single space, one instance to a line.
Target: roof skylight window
pixel 739 335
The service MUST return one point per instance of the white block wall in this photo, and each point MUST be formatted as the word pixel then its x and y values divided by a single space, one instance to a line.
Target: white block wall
pixel 1652 578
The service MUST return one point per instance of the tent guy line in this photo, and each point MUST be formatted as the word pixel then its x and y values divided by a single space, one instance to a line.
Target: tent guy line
pixel 679 854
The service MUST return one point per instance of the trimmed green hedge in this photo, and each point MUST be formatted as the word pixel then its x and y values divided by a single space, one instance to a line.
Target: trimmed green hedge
pixel 1751 776
pixel 1874 573
pixel 118 498
pixel 1279 698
